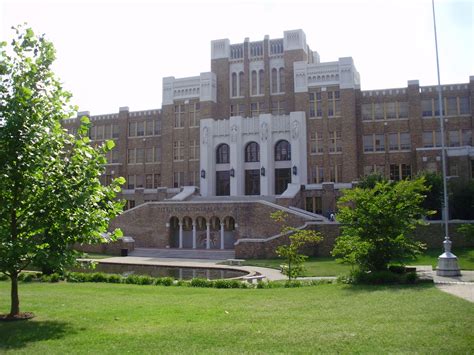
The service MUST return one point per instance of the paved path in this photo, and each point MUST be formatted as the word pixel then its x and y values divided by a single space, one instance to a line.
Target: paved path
pixel 461 286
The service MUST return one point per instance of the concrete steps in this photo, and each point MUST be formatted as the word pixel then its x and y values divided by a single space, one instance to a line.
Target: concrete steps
pixel 184 253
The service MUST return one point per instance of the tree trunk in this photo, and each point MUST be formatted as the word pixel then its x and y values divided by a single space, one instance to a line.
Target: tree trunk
pixel 15 301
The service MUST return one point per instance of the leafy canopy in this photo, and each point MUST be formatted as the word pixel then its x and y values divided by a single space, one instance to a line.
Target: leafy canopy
pixel 50 193
pixel 376 223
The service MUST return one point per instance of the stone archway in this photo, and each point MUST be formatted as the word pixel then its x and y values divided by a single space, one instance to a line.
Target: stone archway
pixel 174 232
pixel 229 232
pixel 201 232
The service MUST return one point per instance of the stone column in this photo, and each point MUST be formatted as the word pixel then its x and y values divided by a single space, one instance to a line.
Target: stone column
pixel 208 235
pixel 194 235
pixel 222 235
pixel 180 235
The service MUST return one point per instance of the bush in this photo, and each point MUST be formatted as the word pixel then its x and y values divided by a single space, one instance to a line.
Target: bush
pixel 114 279
pixel 132 279
pixel 98 277
pixel 55 277
pixel 76 277
pixel 28 277
pixel 290 284
pixel 201 283
pixel 228 284
pixel 385 277
pixel 184 283
pixel 145 280
pixel 164 281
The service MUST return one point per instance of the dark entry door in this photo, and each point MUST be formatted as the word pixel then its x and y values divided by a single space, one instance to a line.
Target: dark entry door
pixel 282 179
pixel 252 182
pixel 222 183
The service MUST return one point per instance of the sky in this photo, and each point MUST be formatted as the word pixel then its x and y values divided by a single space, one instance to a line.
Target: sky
pixel 113 53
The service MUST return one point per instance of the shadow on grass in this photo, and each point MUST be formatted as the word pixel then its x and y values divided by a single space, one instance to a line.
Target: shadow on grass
pixel 18 334
pixel 360 288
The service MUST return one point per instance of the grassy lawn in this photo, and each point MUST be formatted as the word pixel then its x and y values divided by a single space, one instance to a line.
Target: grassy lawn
pixel 326 266
pixel 106 319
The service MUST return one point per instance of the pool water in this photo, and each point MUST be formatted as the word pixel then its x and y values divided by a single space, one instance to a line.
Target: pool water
pixel 178 273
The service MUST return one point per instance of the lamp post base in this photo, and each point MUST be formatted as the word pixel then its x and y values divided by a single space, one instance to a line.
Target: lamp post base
pixel 448 262
pixel 448 265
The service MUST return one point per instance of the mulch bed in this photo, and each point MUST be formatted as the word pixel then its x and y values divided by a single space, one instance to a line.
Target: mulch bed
pixel 21 316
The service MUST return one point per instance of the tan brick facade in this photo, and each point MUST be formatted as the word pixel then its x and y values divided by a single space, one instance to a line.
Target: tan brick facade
pixel 349 132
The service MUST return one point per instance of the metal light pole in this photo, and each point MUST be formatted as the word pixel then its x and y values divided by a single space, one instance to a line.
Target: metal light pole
pixel 447 262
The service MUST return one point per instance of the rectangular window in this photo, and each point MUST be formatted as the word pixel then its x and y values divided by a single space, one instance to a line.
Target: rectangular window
pixel 115 131
pixel 256 108
pixel 315 104
pixel 379 142
pixel 405 141
pixel 403 109
pixel 454 138
pixel 179 111
pixel 466 137
pixel 367 112
pixel 149 128
pixel 100 132
pixel 278 108
pixel 317 174
pixel 194 150
pixel 194 178
pixel 431 139
pixel 426 108
pixel 464 107
pixel 378 111
pixel 131 159
pixel 405 171
pixel 400 171
pixel 138 181
pixel 178 150
pixel 394 172
pixel 148 181
pixel 451 106
pixel 194 109
pixel 157 155
pixel 335 142
pixel 141 128
pixel 157 127
pixel 108 131
pixel 131 182
pixel 336 173
pixel 149 155
pixel 316 142
pixel 368 141
pixel 390 110
pixel 132 129
pixel 156 180
pixel 178 179
pixel 140 155
pixel 334 103
pixel 393 141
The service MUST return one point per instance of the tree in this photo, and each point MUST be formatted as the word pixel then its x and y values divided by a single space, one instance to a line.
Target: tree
pixel 50 193
pixel 376 223
pixel 461 199
pixel 434 197
pixel 294 265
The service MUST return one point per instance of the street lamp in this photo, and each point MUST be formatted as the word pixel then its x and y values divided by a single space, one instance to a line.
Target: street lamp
pixel 447 262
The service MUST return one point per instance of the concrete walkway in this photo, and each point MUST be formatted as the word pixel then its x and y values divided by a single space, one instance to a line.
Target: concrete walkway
pixel 460 286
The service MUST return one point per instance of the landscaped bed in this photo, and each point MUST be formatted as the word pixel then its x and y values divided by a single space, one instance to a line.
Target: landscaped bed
pixel 104 318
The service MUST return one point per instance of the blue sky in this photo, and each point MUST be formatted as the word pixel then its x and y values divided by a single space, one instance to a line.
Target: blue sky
pixel 115 53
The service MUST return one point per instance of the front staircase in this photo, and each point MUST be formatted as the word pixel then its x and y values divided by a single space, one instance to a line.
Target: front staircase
pixel 214 254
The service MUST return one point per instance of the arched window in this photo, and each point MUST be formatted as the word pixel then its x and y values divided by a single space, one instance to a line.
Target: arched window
pixel 261 82
pixel 222 154
pixel 282 151
pixel 254 82
pixel 282 80
pixel 241 83
pixel 274 80
pixel 252 152
pixel 234 84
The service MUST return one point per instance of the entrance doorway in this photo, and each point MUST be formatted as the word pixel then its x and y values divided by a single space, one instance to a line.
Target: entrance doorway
pixel 252 182
pixel 282 179
pixel 222 183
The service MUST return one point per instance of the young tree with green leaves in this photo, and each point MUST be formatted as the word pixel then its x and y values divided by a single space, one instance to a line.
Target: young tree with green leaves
pixel 50 193
pixel 376 223
pixel 294 265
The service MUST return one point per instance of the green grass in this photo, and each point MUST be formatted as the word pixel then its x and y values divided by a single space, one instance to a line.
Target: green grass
pixel 327 266
pixel 109 319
